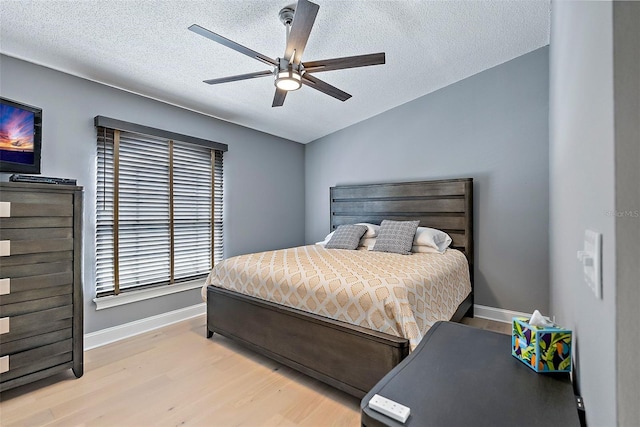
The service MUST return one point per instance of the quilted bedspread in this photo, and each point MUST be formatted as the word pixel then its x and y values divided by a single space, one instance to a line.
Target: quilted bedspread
pixel 401 295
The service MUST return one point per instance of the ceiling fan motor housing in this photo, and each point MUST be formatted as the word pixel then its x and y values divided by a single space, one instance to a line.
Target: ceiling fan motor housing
pixel 286 14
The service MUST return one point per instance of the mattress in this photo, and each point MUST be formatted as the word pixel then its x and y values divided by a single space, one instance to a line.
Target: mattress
pixel 401 295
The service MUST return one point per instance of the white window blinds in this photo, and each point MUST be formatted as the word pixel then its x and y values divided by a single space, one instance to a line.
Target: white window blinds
pixel 192 210
pixel 159 211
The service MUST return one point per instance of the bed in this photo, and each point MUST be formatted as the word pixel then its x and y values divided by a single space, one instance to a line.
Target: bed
pixel 346 354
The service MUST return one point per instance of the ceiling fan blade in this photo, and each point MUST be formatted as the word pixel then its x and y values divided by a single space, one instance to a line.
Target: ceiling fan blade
pixel 303 20
pixel 278 98
pixel 231 44
pixel 342 63
pixel 324 87
pixel 239 77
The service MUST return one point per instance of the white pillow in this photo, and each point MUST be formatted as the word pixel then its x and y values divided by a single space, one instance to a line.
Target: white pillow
pixel 372 229
pixel 326 239
pixel 367 242
pixel 432 238
pixel 426 250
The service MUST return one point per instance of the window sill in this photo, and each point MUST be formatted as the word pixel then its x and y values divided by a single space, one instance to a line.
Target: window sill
pixel 144 294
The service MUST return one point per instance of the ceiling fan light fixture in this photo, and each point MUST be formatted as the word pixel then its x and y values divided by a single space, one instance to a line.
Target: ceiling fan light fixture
pixel 288 79
pixel 289 72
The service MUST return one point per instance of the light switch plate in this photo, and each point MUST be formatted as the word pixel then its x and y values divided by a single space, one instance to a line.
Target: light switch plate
pixel 591 258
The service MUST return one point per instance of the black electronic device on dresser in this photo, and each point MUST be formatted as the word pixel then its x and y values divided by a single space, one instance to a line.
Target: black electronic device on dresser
pixel 41 304
pixel 463 376
pixel 36 179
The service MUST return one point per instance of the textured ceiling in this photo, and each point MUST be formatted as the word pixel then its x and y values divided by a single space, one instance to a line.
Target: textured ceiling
pixel 145 47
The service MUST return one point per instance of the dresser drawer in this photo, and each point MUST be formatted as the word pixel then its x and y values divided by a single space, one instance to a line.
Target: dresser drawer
pixel 14 272
pixel 46 257
pixel 26 307
pixel 17 320
pixel 36 359
pixel 24 344
pixel 36 222
pixel 20 241
pixel 39 322
pixel 46 288
pixel 18 204
pixel 34 287
pixel 45 233
pixel 14 289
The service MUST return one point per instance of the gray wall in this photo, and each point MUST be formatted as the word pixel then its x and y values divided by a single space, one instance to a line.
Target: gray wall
pixel 594 183
pixel 582 192
pixel 626 39
pixel 492 127
pixel 264 175
pixel 626 56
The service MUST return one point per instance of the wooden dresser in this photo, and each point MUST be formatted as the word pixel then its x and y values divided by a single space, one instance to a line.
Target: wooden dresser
pixel 41 300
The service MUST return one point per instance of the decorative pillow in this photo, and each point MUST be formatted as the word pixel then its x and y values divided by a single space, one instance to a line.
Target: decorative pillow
pixel 346 237
pixel 396 236
pixel 431 237
pixel 372 232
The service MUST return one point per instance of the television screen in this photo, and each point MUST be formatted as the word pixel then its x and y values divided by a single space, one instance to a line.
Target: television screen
pixel 20 137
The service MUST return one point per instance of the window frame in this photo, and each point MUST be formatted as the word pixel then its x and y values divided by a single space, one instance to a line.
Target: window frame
pixel 215 196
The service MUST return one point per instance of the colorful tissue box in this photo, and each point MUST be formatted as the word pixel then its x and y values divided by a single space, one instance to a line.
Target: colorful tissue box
pixel 543 349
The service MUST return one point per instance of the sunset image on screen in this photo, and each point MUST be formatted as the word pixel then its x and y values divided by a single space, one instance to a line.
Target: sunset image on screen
pixel 16 129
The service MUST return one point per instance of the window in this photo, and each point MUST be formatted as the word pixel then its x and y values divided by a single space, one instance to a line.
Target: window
pixel 159 210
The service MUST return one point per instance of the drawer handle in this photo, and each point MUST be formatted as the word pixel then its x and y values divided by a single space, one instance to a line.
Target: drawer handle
pixel 5 286
pixel 5 209
pixel 4 325
pixel 5 247
pixel 4 364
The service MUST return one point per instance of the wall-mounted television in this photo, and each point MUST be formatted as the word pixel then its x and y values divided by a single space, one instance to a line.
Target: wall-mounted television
pixel 20 137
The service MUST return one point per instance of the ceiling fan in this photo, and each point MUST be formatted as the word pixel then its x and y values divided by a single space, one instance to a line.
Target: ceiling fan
pixel 290 72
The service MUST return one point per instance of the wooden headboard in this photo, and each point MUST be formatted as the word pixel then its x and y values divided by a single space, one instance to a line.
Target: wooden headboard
pixel 445 204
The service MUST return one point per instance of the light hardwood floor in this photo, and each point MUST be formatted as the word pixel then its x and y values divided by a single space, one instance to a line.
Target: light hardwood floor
pixel 174 376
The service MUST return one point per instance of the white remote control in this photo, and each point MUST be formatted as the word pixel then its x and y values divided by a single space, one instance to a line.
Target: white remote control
pixel 389 408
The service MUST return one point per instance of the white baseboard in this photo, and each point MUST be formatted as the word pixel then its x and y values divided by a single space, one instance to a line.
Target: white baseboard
pixel 117 333
pixel 497 314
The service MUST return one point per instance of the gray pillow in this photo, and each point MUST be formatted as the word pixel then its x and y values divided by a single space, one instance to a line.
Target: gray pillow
pixel 346 237
pixel 396 236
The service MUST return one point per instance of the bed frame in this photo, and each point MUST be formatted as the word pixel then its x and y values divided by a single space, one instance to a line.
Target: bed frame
pixel 350 358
